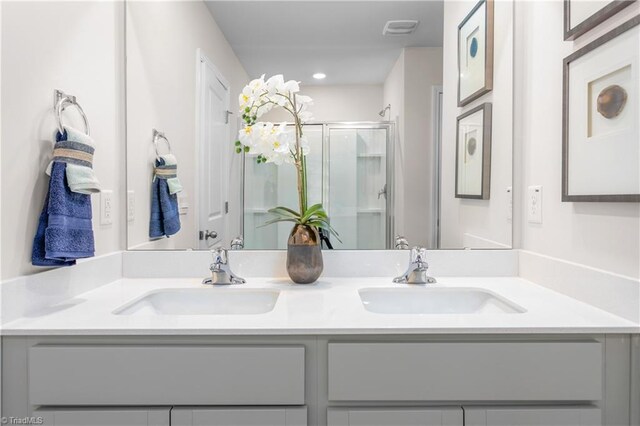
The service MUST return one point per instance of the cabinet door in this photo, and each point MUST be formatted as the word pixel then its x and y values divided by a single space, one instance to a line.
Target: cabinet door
pixel 277 416
pixel 531 416
pixel 395 417
pixel 103 417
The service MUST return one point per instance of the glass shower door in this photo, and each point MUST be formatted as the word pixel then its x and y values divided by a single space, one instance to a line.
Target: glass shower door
pixel 358 187
pixel 267 186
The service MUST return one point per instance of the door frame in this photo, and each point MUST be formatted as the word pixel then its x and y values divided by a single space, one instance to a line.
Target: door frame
pixel 203 61
pixel 436 164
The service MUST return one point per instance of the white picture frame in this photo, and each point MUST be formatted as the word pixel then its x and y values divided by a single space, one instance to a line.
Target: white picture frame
pixel 601 119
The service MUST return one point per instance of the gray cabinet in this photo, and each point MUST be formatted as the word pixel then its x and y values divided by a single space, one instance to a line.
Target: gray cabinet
pixel 116 375
pixel 451 416
pixel 103 417
pixel 461 371
pixel 281 416
pixel 533 416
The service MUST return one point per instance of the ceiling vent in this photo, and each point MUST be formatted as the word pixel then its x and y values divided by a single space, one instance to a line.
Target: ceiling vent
pixel 403 27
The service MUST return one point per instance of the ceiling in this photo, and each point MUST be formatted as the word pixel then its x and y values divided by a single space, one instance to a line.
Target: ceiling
pixel 342 39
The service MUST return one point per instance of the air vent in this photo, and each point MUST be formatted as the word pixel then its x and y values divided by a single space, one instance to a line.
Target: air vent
pixel 399 27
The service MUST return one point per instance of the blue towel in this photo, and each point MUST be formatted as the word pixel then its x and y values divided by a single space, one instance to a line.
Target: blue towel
pixel 64 229
pixel 165 216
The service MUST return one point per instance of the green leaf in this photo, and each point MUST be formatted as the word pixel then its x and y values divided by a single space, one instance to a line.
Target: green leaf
pixel 324 225
pixel 310 212
pixel 238 143
pixel 238 150
pixel 284 211
pixel 246 149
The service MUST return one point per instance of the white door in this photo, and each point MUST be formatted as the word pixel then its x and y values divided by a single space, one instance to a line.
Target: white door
pixel 276 416
pixel 214 138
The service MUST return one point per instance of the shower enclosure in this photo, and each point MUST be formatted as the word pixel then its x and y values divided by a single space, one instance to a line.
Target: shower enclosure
pixel 350 171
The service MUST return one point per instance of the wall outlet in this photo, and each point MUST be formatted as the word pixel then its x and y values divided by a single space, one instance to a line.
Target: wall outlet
pixel 509 203
pixel 106 207
pixel 183 203
pixel 131 206
pixel 534 204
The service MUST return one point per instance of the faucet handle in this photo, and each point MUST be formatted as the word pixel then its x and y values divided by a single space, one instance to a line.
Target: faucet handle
pixel 220 256
pixel 419 256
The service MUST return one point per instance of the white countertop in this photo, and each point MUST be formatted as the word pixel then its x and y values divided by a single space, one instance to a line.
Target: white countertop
pixel 330 307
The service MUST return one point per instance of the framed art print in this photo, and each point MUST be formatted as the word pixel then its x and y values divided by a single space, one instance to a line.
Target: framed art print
pixel 475 53
pixel 581 16
pixel 600 118
pixel 473 153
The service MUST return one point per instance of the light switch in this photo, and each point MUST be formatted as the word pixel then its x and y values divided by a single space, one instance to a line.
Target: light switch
pixel 131 206
pixel 106 207
pixel 534 204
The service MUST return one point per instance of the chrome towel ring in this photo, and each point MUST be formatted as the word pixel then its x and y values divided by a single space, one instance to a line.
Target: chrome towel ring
pixel 156 138
pixel 61 102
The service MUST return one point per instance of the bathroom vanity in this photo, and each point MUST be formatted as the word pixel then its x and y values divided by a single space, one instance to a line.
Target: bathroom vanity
pixel 469 350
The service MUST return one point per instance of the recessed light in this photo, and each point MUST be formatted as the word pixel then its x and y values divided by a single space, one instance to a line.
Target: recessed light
pixel 319 75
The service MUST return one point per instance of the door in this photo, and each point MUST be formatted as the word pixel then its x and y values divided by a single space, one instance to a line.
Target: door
pixel 452 416
pixel 279 416
pixel 103 417
pixel 532 416
pixel 214 139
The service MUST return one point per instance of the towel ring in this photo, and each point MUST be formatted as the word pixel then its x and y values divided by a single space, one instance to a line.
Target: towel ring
pixel 63 101
pixel 156 138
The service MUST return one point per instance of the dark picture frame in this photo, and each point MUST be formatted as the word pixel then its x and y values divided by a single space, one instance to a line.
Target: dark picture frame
pixel 488 52
pixel 592 21
pixel 566 197
pixel 485 186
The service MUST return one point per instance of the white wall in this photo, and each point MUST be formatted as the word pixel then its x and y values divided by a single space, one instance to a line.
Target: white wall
pixel 338 103
pixel 600 235
pixel 162 40
pixel 79 48
pixel 481 220
pixel 408 88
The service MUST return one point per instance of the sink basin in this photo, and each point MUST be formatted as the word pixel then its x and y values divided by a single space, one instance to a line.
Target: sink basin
pixel 202 301
pixel 435 300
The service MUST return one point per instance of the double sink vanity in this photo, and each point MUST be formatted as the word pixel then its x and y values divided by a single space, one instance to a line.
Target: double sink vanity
pixel 481 346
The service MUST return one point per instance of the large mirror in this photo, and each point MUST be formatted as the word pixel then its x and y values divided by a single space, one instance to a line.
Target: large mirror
pixel 409 133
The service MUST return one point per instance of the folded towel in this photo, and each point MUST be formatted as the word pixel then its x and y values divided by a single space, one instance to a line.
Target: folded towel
pixel 76 149
pixel 64 229
pixel 165 215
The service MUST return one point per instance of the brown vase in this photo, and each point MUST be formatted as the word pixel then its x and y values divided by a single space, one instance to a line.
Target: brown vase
pixel 304 255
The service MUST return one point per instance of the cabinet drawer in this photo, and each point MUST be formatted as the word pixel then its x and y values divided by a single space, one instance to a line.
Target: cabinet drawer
pixel 101 417
pixel 242 416
pixel 465 371
pixel 533 416
pixel 433 416
pixel 166 375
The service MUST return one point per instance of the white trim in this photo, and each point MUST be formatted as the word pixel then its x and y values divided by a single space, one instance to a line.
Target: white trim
pixel 436 152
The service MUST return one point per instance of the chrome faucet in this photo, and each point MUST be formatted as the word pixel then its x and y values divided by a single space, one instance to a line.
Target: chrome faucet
pixel 237 243
pixel 221 271
pixel 417 270
pixel 401 243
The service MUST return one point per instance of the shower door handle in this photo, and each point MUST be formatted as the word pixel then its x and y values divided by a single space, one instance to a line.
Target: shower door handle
pixel 382 192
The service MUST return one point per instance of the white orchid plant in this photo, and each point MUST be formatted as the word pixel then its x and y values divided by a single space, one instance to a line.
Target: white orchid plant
pixel 279 143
